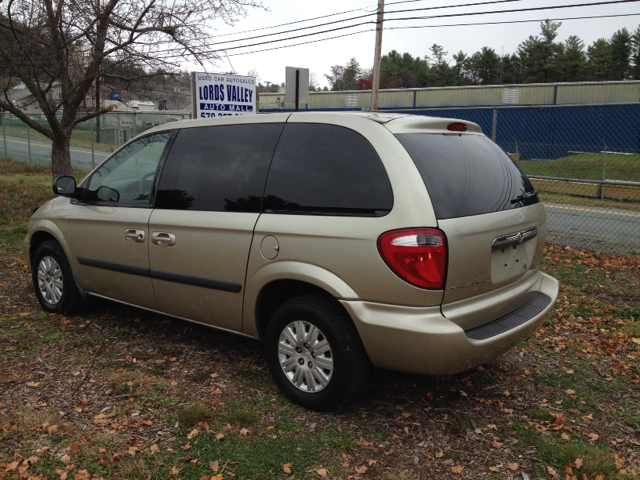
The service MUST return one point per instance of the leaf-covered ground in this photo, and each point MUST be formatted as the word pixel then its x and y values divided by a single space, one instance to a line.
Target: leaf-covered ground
pixel 117 392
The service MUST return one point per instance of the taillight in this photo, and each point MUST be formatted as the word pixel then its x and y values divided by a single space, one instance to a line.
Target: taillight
pixel 418 256
pixel 457 127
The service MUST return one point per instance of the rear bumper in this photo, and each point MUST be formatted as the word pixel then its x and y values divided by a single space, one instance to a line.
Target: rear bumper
pixel 422 340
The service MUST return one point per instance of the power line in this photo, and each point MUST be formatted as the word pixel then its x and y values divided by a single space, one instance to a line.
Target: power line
pixel 451 15
pixel 362 16
pixel 352 18
pixel 438 26
pixel 506 22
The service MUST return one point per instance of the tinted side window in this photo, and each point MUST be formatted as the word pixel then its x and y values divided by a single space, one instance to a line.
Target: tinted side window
pixel 327 170
pixel 467 174
pixel 218 168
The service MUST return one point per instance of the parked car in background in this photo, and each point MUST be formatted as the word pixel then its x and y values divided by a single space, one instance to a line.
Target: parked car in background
pixel 341 240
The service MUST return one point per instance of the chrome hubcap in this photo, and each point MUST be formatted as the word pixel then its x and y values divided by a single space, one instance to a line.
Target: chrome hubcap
pixel 305 356
pixel 50 280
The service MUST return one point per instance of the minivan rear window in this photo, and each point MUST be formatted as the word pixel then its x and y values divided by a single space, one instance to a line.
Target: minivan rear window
pixel 467 174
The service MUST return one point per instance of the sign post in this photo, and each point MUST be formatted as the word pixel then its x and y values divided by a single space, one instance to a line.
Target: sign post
pixel 216 95
pixel 297 83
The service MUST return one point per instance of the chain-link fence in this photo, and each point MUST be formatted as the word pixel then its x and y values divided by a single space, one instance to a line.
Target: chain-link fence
pixel 91 142
pixel 584 160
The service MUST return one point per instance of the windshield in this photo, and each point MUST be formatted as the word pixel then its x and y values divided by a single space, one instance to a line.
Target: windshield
pixel 467 174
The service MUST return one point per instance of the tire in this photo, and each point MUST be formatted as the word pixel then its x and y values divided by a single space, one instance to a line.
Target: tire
pixel 53 280
pixel 315 341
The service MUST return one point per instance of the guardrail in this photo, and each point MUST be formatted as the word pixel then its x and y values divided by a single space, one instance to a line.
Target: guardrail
pixel 588 188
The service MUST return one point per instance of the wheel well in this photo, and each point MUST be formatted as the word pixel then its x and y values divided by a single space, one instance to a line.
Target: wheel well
pixel 37 239
pixel 275 294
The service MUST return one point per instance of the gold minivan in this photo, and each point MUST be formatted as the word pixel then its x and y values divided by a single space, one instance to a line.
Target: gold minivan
pixel 342 240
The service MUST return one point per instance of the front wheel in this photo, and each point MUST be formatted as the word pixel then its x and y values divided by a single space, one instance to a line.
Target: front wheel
pixel 315 353
pixel 53 280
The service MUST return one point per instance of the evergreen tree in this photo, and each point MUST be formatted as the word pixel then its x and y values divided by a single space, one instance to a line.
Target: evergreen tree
pixel 599 60
pixel 574 60
pixel 541 56
pixel 620 54
pixel 485 67
pixel 635 55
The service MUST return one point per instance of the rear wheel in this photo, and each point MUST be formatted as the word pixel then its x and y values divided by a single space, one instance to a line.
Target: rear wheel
pixel 53 280
pixel 315 353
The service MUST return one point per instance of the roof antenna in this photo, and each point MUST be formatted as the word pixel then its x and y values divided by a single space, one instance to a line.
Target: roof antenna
pixel 233 70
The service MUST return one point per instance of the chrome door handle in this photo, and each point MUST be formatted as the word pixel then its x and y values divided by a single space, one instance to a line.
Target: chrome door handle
pixel 133 235
pixel 163 239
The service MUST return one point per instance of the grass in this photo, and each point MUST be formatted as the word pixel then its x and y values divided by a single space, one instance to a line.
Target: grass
pixel 178 397
pixel 193 414
pixel 587 166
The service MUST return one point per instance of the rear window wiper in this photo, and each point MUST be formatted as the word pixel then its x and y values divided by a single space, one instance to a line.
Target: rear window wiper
pixel 524 196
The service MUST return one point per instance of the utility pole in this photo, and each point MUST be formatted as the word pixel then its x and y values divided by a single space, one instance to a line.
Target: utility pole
pixel 376 61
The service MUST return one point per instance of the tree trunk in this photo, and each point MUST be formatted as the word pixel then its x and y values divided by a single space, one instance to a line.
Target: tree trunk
pixel 61 156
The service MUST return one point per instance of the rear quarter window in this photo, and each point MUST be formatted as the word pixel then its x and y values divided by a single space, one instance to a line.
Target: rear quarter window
pixel 467 174
pixel 327 170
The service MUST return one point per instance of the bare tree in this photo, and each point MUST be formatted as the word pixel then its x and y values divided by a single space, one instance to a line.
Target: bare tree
pixel 58 49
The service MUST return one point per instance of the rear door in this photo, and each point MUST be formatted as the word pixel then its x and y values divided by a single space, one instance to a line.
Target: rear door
pixel 209 199
pixel 493 219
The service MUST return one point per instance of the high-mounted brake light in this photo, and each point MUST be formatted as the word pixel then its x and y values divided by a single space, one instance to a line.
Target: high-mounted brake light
pixel 418 256
pixel 457 127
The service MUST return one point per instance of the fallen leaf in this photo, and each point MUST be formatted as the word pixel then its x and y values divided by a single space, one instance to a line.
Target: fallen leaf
pixel 406 430
pixel 154 448
pixel 33 384
pixel 174 383
pixel 52 429
pixel 245 432
pixel 65 459
pixel 194 433
pixel 569 391
pixel 287 467
pixel 492 426
pixel 185 447
pixel 361 470
pixel 372 462
pixel 512 466
pixel 323 472
pixel 220 436
pixel 578 463
pixel 493 469
pixel 439 454
pixel 457 469
pixel 176 470
pixel 496 444
pixel 551 471
pixel 565 436
pixel 214 466
pixel 636 340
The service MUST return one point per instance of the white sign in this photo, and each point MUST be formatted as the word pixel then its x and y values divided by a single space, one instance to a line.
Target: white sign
pixel 303 84
pixel 217 95
pixel 511 95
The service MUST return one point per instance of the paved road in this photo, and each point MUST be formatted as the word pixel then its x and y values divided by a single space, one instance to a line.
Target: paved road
pixel 18 149
pixel 600 229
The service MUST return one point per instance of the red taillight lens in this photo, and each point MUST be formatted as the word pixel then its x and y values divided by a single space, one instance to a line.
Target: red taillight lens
pixel 418 256
pixel 457 127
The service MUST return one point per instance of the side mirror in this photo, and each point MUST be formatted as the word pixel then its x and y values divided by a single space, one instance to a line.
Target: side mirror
pixel 65 186
pixel 107 194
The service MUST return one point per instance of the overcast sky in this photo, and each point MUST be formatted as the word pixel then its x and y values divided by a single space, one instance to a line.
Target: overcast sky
pixel 320 56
